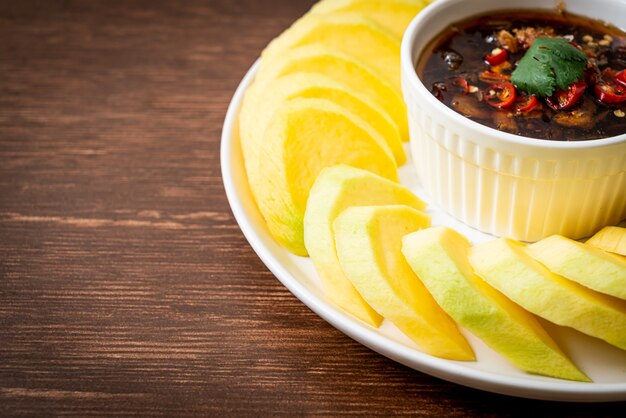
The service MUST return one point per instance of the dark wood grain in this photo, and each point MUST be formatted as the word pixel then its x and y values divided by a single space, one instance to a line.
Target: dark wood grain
pixel 126 286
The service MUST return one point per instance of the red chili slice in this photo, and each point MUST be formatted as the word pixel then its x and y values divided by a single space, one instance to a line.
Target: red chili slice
pixel 500 95
pixel 491 77
pixel 609 94
pixel 575 45
pixel 611 77
pixel 525 103
pixel 461 83
pixel 621 78
pixel 497 56
pixel 564 99
pixel 610 87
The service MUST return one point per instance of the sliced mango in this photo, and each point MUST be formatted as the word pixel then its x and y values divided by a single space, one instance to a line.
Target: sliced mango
pixel 393 15
pixel 353 35
pixel 336 189
pixel 304 136
pixel 439 258
pixel 506 265
pixel 369 242
pixel 584 264
pixel 260 103
pixel 343 69
pixel 611 239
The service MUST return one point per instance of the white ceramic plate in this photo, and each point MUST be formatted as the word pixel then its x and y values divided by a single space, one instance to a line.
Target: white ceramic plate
pixel 605 364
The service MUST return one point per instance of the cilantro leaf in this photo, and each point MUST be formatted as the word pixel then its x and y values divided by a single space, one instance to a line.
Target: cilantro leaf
pixel 549 64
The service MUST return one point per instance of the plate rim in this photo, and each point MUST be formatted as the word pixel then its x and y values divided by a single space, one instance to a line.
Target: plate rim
pixel 448 370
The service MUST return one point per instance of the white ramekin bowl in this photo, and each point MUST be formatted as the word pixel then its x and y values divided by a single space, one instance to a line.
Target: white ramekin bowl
pixel 500 183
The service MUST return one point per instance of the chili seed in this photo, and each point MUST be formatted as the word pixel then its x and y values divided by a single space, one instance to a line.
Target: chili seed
pixel 587 38
pixel 604 42
pixel 619 113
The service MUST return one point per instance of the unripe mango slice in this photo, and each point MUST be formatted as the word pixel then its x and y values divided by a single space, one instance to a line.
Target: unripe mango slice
pixel 352 35
pixel 439 258
pixel 369 243
pixel 506 265
pixel 393 15
pixel 336 189
pixel 261 102
pixel 343 69
pixel 611 239
pixel 584 264
pixel 305 136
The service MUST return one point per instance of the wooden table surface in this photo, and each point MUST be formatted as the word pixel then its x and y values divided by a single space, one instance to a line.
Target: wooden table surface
pixel 126 286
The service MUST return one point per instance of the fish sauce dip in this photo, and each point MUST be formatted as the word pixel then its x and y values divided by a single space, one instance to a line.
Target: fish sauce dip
pixel 537 74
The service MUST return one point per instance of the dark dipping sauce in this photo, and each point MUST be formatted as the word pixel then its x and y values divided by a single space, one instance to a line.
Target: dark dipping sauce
pixel 455 69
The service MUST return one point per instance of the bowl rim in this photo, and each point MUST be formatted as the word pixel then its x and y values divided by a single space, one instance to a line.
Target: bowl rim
pixel 437 10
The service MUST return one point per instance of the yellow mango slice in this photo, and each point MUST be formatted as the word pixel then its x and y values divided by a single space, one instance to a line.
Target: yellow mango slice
pixel 353 35
pixel 584 264
pixel 506 265
pixel 393 15
pixel 260 104
pixel 611 239
pixel 369 243
pixel 439 258
pixel 336 189
pixel 305 136
pixel 356 75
